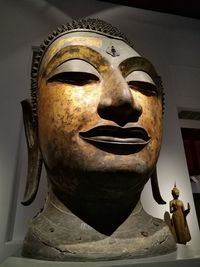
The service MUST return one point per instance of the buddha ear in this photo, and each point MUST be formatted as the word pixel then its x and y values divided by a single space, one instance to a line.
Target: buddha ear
pixel 155 188
pixel 34 154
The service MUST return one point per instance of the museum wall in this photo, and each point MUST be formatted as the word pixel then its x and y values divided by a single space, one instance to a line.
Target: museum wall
pixel 170 42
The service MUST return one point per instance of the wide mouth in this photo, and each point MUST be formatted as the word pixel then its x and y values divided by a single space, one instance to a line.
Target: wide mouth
pixel 121 139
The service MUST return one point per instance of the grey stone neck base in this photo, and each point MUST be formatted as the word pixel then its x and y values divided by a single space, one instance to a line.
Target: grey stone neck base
pixel 57 234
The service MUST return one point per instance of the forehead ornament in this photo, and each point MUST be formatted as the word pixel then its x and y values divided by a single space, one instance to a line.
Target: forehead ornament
pixel 112 51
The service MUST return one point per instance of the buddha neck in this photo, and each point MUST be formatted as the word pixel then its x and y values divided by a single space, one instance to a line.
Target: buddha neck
pixel 103 212
pixel 55 209
pixel 59 234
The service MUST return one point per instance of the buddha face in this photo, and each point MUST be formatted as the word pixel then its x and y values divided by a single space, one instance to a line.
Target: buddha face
pixel 175 193
pixel 99 113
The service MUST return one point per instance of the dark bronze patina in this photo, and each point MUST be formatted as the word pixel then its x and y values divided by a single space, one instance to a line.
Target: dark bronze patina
pixel 96 123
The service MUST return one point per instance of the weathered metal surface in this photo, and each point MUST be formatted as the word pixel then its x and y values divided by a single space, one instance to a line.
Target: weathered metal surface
pixel 34 155
pixel 99 121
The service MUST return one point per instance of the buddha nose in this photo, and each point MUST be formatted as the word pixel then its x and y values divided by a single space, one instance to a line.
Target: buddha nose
pixel 117 102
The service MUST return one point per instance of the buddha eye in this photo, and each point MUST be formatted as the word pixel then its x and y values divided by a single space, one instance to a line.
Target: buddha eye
pixel 144 87
pixel 74 78
pixel 141 81
pixel 75 72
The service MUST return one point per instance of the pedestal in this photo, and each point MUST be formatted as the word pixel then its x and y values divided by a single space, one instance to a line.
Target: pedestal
pixel 184 256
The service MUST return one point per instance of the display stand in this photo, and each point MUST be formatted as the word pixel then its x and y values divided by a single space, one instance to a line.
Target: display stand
pixel 184 256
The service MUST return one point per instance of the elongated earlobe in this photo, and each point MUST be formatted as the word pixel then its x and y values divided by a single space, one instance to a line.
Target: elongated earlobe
pixel 155 188
pixel 34 155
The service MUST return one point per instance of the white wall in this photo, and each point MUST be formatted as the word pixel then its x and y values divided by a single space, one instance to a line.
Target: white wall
pixel 170 42
pixel 23 24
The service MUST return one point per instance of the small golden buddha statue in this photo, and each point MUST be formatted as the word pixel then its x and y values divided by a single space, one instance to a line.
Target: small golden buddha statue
pixel 179 224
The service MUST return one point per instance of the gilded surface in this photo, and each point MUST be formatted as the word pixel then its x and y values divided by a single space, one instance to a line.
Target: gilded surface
pixel 179 224
pixel 66 109
pixel 99 132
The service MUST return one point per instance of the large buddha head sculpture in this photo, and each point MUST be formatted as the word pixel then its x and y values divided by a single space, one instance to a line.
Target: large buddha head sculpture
pixel 95 121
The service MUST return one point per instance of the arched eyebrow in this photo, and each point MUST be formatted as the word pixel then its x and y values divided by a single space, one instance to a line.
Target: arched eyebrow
pixel 77 52
pixel 137 64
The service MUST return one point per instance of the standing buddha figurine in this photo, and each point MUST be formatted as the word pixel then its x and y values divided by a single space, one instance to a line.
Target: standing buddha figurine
pixel 179 224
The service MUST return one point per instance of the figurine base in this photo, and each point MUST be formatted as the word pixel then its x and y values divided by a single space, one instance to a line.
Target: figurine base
pixel 183 257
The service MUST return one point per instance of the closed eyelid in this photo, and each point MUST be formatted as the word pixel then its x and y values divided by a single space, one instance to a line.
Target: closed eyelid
pixel 139 76
pixel 142 82
pixel 74 65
